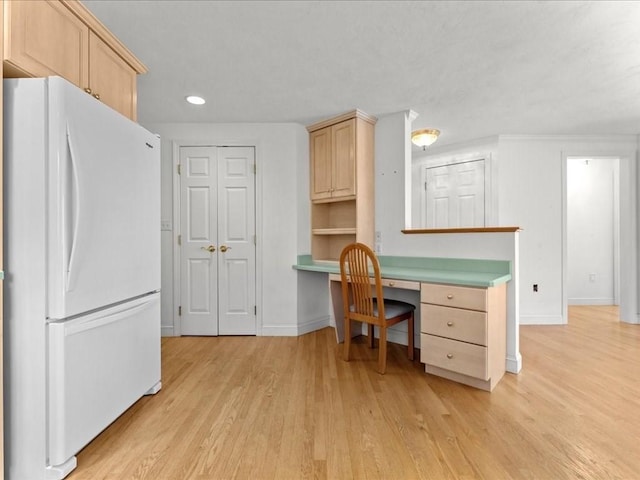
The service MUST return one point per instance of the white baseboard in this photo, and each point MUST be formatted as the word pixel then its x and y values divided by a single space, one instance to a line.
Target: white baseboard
pixel 591 301
pixel 295 330
pixel 541 320
pixel 167 331
pixel 313 325
pixel 514 365
pixel 279 330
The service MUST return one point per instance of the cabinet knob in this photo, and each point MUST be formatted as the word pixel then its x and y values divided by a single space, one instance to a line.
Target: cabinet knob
pixel 449 296
pixel 449 324
pixel 88 90
pixel 97 96
pixel 391 284
pixel 449 355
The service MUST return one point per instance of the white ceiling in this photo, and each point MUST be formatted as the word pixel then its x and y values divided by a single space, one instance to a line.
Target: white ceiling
pixel 471 69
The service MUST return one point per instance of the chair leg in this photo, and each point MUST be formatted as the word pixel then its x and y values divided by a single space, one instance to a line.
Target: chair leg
pixel 410 339
pixel 382 346
pixel 346 348
pixel 371 335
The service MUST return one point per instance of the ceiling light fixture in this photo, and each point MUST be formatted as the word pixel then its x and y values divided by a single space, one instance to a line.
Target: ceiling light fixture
pixel 195 100
pixel 425 137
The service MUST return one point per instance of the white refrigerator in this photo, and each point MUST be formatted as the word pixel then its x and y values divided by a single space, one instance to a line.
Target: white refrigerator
pixel 82 272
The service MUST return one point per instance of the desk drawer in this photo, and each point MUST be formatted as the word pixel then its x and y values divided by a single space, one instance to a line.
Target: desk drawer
pixel 404 284
pixel 453 355
pixel 455 323
pixel 454 296
pixel 386 282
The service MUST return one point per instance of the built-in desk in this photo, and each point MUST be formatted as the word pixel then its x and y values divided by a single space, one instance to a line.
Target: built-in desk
pixel 462 311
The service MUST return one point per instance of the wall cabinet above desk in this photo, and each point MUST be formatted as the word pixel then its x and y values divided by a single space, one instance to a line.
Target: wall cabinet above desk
pixel 341 183
pixel 63 38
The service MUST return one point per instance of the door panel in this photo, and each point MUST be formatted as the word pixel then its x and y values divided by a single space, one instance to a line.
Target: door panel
pixel 344 155
pixel 236 231
pixel 199 284
pixel 455 195
pixel 199 213
pixel 199 289
pixel 111 78
pixel 321 167
pixel 218 210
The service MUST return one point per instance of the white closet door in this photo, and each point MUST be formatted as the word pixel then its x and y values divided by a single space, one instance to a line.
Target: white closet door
pixel 217 273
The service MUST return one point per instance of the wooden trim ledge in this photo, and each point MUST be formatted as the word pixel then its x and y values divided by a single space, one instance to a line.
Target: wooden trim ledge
pixel 462 230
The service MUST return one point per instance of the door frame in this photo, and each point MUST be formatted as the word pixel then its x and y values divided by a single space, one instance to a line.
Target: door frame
pixel 616 223
pixel 175 160
pixel 627 231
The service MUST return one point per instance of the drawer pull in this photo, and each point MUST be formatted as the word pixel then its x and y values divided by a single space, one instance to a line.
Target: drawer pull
pixel 391 284
pixel 449 355
pixel 449 324
pixel 449 296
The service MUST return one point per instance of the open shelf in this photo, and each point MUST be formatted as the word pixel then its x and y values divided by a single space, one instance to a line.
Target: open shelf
pixel 333 231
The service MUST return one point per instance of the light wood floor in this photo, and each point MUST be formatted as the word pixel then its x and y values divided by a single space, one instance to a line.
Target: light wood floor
pixel 290 408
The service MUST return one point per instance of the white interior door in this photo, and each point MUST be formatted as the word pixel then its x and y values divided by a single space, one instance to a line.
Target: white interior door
pixel 217 211
pixel 455 195
pixel 236 236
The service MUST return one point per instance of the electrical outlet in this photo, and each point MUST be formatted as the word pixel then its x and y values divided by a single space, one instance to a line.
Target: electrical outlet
pixel 165 225
pixel 592 277
pixel 535 287
pixel 378 237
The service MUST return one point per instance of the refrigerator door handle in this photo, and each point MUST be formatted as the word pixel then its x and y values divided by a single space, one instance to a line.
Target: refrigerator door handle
pixel 76 213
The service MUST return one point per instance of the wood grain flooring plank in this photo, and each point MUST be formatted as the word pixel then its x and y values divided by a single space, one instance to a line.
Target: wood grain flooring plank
pixel 291 408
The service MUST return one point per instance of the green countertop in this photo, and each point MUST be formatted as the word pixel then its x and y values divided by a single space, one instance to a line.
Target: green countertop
pixel 452 271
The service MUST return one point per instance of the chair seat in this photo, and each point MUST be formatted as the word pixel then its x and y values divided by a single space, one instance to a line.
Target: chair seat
pixel 392 308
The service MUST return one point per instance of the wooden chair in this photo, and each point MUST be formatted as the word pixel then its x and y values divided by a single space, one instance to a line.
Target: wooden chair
pixel 361 299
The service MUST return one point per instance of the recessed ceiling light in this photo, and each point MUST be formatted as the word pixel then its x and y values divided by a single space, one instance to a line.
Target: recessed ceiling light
pixel 195 100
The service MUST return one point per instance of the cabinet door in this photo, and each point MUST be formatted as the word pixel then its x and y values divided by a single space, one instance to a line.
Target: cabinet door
pixel 344 159
pixel 43 39
pixel 111 79
pixel 321 164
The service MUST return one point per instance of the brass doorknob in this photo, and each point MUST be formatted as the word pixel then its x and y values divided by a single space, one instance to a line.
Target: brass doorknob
pixel 224 248
pixel 210 248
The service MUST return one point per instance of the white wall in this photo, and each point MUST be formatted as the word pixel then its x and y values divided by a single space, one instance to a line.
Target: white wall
pixel 531 195
pixel 592 230
pixel 282 162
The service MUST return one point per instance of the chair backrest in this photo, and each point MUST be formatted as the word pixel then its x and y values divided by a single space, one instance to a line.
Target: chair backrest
pixel 358 264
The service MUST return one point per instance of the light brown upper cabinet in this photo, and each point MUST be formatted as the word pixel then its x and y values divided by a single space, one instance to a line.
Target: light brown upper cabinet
pixel 111 79
pixel 341 185
pixel 60 37
pixel 334 161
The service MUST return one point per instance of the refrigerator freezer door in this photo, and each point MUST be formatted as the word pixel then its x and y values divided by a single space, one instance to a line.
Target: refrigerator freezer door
pixel 99 365
pixel 104 204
